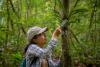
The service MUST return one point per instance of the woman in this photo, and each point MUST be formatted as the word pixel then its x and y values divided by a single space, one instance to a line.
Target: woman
pixel 35 54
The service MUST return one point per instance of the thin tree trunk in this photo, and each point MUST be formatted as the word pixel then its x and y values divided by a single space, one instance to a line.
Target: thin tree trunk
pixel 65 35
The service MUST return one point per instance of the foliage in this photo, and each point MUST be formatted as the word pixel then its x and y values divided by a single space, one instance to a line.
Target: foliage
pixel 16 16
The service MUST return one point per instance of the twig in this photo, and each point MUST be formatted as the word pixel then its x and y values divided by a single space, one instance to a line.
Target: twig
pixel 13 8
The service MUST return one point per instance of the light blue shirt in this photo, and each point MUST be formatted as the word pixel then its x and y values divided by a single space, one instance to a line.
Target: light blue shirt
pixel 41 53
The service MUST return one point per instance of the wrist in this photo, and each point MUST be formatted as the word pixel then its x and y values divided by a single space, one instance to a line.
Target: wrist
pixel 54 38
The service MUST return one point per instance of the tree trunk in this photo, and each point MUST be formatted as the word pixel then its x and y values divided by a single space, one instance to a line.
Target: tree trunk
pixel 66 58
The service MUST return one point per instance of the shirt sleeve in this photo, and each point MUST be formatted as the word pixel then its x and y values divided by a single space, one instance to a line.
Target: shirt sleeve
pixel 34 50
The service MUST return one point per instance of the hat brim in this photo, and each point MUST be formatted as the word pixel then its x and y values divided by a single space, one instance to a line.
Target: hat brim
pixel 43 30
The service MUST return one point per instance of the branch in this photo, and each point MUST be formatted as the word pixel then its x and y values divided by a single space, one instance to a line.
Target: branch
pixel 13 8
pixel 92 14
pixel 74 36
pixel 23 30
pixel 73 8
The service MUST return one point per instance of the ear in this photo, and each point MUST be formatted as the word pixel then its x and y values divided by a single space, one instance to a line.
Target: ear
pixel 35 40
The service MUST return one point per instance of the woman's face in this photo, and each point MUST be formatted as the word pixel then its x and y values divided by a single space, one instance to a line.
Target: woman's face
pixel 41 39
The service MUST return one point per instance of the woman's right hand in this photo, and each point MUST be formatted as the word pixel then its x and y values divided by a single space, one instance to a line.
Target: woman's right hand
pixel 57 32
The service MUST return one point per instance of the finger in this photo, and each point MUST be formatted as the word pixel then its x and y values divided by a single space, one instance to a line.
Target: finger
pixel 59 29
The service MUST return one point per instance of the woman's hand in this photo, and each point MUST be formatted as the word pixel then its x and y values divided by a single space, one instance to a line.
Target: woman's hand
pixel 57 32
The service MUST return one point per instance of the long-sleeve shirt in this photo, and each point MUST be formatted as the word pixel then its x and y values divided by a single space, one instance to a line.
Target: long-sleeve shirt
pixel 41 53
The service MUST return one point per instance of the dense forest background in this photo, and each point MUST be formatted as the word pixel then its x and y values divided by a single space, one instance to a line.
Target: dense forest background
pixel 16 16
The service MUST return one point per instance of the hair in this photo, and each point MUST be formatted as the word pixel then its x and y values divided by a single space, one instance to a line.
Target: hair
pixel 31 42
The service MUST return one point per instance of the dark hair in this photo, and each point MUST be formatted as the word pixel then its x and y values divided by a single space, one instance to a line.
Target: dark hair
pixel 31 42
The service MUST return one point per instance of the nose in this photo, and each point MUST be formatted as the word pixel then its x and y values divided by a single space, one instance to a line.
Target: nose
pixel 44 37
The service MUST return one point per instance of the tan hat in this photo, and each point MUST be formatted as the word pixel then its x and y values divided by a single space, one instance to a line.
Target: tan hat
pixel 35 31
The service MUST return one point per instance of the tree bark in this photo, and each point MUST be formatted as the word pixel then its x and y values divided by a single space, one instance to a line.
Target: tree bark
pixel 66 58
